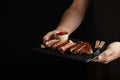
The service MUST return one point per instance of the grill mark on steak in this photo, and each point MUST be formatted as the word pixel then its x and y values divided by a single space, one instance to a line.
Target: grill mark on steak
pixel 78 47
pixel 64 43
pixel 86 49
pixel 75 48
pixel 54 46
pixel 66 47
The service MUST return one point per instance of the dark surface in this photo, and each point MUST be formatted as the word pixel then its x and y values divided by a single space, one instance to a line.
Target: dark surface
pixel 3 8
pixel 82 58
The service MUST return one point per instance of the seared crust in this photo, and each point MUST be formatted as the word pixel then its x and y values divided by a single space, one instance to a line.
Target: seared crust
pixel 54 46
pixel 75 48
pixel 66 46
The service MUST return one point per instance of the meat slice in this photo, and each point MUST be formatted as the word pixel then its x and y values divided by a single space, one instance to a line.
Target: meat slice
pixel 88 49
pixel 51 42
pixel 72 48
pixel 64 43
pixel 80 49
pixel 85 48
pixel 66 46
pixel 80 46
pixel 75 48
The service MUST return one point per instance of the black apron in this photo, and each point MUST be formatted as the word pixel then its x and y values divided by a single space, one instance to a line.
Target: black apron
pixel 105 26
pixel 106 20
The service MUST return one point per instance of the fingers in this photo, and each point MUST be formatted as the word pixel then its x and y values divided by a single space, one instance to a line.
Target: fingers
pixel 110 54
pixel 105 57
pixel 49 35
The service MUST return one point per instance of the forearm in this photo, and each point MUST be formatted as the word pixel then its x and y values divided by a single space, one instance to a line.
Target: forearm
pixel 70 20
pixel 72 17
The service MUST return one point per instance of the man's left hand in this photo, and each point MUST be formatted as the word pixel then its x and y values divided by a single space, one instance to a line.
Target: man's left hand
pixel 111 53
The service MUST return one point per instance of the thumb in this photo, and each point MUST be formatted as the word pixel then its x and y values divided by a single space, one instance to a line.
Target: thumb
pixel 49 35
pixel 103 57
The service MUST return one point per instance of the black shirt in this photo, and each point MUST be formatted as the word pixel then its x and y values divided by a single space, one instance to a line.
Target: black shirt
pixel 106 20
pixel 105 26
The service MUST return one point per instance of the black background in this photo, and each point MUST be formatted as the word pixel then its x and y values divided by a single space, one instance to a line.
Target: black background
pixel 28 23
pixel 4 8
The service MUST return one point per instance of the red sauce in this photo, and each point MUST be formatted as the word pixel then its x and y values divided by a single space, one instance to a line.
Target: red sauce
pixel 61 33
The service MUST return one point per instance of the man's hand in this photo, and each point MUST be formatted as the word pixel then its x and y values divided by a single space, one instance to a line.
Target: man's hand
pixel 49 35
pixel 110 54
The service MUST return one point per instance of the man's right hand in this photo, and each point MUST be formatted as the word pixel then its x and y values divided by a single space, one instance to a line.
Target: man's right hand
pixel 50 35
